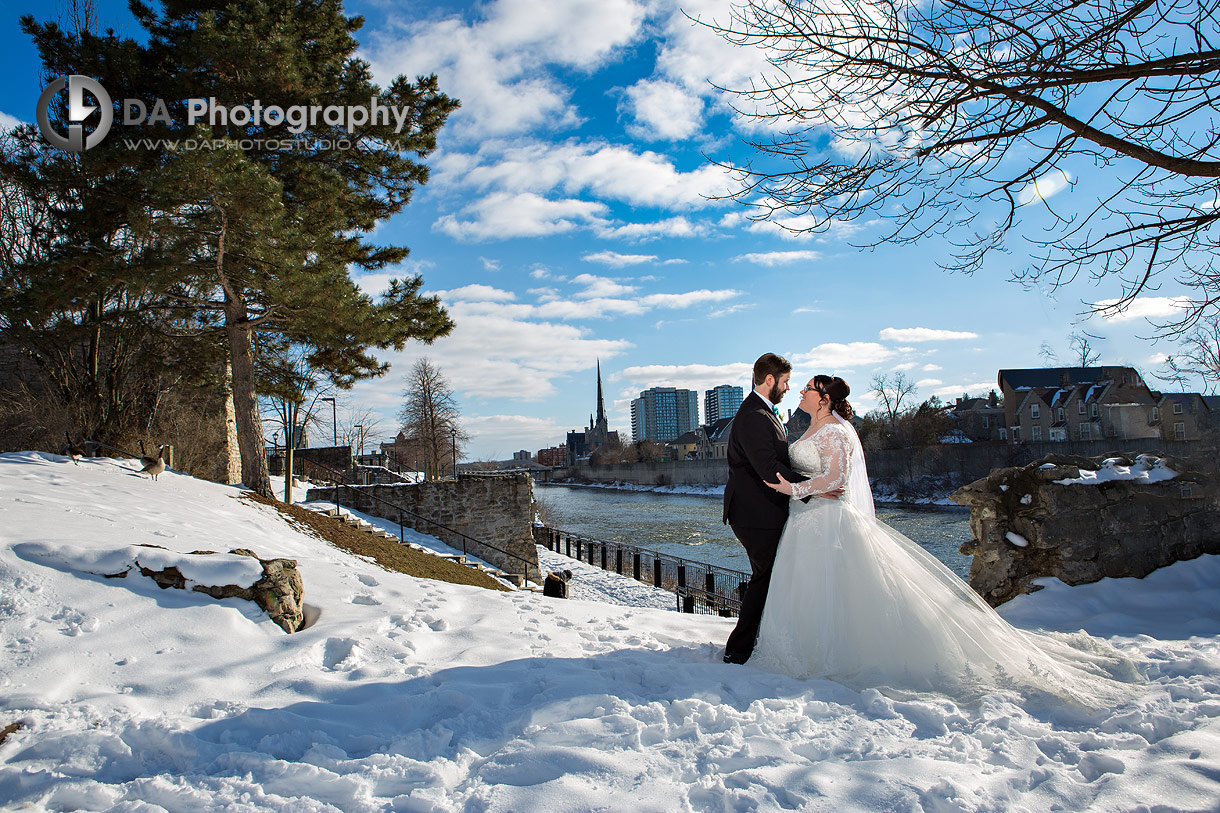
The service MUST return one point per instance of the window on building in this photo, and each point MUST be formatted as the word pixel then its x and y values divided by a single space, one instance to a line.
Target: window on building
pixel 1080 407
pixel 1058 435
pixel 1093 410
pixel 986 422
pixel 1035 432
pixel 1016 434
pixel 1177 407
pixel 1034 412
pixel 1084 431
pixel 1060 414
pixel 1179 431
pixel 1156 414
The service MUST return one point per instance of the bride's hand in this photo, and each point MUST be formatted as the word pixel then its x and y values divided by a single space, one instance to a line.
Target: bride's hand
pixel 783 486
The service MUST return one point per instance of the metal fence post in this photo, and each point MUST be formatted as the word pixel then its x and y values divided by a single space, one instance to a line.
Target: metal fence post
pixel 618 561
pixel 656 572
pixel 711 581
pixel 604 554
pixel 681 575
pixel 635 567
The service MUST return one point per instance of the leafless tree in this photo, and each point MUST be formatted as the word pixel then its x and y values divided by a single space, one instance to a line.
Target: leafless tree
pixel 892 391
pixel 959 119
pixel 1082 349
pixel 1048 354
pixel 359 429
pixel 1200 356
pixel 431 419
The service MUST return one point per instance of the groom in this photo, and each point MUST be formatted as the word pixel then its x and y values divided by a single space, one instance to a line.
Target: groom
pixel 758 448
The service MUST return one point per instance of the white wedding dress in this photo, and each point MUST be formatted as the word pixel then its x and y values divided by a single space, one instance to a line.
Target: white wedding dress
pixel 853 600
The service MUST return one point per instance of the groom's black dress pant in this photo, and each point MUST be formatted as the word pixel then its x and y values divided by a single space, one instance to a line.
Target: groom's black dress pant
pixel 760 545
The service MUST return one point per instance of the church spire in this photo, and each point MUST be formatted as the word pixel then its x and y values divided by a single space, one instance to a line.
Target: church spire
pixel 601 403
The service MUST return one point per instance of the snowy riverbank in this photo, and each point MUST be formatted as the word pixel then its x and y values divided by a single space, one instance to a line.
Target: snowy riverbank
pixel 409 694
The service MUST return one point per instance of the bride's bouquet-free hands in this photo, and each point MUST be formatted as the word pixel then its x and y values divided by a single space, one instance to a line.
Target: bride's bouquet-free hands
pixel 785 487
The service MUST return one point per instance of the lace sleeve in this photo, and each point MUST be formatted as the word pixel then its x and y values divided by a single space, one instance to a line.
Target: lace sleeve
pixel 834 449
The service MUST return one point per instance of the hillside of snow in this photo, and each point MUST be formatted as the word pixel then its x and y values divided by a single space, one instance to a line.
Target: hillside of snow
pixel 408 694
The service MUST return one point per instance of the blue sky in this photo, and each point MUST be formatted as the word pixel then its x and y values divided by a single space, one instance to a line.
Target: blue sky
pixel 571 216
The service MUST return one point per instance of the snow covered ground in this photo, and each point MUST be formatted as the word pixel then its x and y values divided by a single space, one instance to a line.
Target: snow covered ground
pixel 408 694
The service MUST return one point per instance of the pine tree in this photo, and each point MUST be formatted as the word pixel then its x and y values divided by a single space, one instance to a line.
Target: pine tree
pixel 270 234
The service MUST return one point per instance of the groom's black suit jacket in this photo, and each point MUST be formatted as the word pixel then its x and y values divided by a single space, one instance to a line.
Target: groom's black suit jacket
pixel 758 448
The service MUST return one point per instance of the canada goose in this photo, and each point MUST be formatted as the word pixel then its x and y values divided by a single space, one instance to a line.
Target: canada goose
pixel 75 452
pixel 152 465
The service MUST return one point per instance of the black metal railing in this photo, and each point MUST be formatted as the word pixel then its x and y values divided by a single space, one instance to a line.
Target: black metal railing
pixel 337 482
pixel 699 586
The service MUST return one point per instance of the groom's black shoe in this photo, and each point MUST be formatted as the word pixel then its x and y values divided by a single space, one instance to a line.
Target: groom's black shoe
pixel 736 657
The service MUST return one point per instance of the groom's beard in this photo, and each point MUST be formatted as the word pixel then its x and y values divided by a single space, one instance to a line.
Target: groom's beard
pixel 776 395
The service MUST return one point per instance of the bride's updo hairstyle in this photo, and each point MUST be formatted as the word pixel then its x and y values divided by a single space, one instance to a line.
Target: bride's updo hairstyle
pixel 837 390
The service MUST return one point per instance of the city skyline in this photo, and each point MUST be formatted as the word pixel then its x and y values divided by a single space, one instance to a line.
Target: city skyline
pixel 573 214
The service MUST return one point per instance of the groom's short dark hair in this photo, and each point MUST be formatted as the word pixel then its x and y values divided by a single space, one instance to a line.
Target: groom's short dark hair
pixel 770 364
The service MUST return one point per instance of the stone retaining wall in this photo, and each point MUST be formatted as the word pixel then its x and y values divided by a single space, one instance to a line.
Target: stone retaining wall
pixel 498 510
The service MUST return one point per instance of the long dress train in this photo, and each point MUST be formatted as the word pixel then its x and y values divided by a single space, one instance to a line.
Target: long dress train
pixel 855 601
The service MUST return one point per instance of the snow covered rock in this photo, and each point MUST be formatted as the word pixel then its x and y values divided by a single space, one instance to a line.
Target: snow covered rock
pixel 275 585
pixel 1083 519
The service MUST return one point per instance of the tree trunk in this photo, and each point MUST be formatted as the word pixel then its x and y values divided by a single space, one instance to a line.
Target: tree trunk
pixel 245 400
pixel 232 452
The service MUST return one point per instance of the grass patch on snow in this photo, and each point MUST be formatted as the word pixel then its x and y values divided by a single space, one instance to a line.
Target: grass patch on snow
pixel 389 554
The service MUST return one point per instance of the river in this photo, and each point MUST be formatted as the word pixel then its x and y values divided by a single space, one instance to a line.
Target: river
pixel 688 525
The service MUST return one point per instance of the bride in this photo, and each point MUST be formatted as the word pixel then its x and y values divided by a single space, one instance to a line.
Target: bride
pixel 855 601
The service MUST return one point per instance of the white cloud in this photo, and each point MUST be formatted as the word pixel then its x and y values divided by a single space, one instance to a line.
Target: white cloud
pixel 773 258
pixel 616 260
pixel 906 365
pixel 923 334
pixel 952 391
pixel 498 64
pixel 686 300
pixel 700 377
pixel 501 435
pixel 931 368
pixel 8 122
pixel 503 215
pixel 476 293
pixel 663 110
pixel 671 227
pixel 1046 186
pixel 928 382
pixel 499 351
pixel 596 287
pixel 490 265
pixel 730 310
pixel 832 356
pixel 1144 307
pixel 606 171
pixel 802 228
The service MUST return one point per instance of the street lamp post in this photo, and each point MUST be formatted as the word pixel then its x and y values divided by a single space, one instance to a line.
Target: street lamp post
pixel 453 434
pixel 334 420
